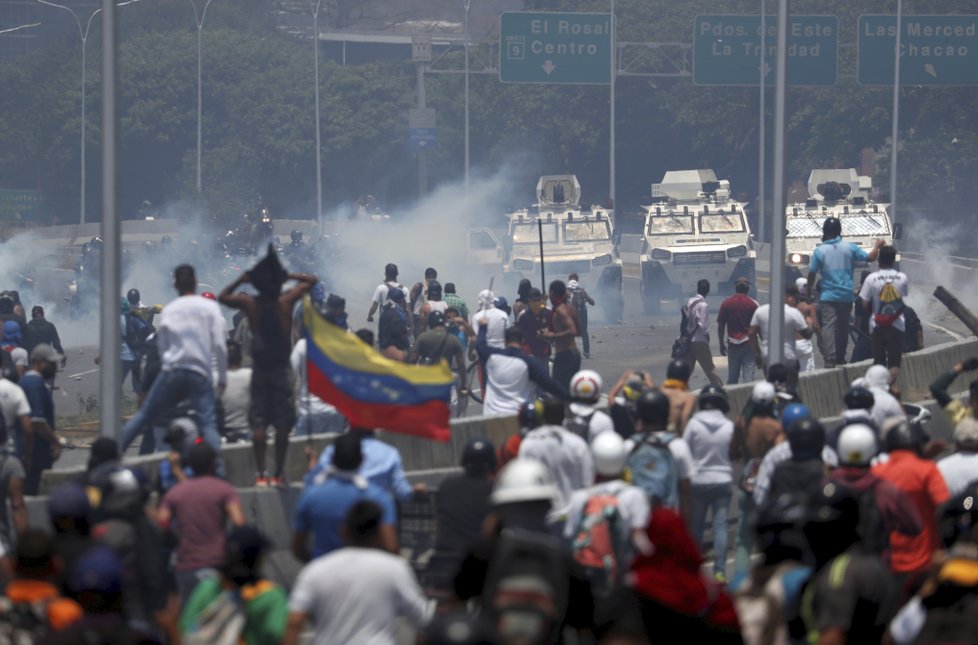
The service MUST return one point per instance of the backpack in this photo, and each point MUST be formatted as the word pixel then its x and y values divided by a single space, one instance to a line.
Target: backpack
pixel 653 468
pixel 24 623
pixel 220 623
pixel 580 425
pixel 526 590
pixel 136 332
pixel 600 544
pixel 577 299
pixel 764 609
pixel 432 359
pixel 891 305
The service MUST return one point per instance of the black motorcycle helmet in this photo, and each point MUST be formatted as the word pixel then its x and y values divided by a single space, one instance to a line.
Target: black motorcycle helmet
pixel 859 398
pixel 296 235
pixel 653 409
pixel 807 439
pixel 679 370
pixel 434 290
pixel 833 522
pixel 713 397
pixel 479 456
pixel 133 297
pixel 96 243
pixel 831 228
pixel 958 518
pixel 899 434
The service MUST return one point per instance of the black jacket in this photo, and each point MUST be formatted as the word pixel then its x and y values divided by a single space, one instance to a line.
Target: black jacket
pixel 41 331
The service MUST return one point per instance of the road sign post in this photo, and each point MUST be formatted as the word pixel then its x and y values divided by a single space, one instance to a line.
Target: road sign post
pixel 935 50
pixel 547 47
pixel 727 49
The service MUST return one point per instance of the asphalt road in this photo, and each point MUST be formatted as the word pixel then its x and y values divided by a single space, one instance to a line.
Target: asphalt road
pixel 639 342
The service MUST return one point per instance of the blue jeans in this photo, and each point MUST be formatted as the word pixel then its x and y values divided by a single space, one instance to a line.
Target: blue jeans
pixel 716 499
pixel 169 389
pixel 740 363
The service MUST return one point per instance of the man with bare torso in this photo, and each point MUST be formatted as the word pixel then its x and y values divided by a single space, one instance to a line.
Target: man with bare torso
pixel 269 316
pixel 564 328
pixel 682 402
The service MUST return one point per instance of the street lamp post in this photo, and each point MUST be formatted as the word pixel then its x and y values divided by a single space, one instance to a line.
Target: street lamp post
pixel 319 160
pixel 895 125
pixel 467 4
pixel 83 33
pixel 199 19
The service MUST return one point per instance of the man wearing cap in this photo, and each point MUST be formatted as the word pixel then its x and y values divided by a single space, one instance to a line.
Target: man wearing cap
pixel 438 344
pixel 39 448
pixel 961 468
pixel 269 318
pixel 733 327
pixel 41 330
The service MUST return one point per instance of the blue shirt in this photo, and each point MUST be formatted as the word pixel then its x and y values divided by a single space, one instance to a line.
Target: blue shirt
pixel 322 509
pixel 381 466
pixel 835 260
pixel 41 402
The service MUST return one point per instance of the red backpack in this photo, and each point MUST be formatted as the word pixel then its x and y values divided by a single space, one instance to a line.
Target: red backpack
pixel 601 540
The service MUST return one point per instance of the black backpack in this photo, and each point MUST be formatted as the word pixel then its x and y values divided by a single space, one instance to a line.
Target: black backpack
pixel 580 425
pixel 526 589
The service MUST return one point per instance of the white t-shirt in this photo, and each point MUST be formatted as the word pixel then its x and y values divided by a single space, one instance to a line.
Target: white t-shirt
pixel 306 402
pixel 794 322
pixel 959 470
pixel 380 293
pixel 633 505
pixel 355 595
pixel 13 403
pixel 496 323
pixel 873 286
pixel 567 456
pixel 236 399
pixel 190 335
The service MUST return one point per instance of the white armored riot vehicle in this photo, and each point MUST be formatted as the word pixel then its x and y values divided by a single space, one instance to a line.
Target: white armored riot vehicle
pixel 839 193
pixel 575 240
pixel 693 231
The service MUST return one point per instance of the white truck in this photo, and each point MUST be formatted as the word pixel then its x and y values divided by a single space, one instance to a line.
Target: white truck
pixel 840 193
pixel 575 240
pixel 693 231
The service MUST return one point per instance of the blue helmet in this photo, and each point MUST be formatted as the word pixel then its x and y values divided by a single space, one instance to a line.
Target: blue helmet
pixel 793 414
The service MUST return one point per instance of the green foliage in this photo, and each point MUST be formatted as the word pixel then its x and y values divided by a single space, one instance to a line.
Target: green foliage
pixel 259 128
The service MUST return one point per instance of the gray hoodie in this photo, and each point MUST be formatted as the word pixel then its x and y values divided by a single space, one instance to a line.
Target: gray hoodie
pixel 708 434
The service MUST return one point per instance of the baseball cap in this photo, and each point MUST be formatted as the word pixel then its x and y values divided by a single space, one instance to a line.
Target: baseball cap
pixel 966 431
pixel 100 570
pixel 68 500
pixel 501 302
pixel 45 352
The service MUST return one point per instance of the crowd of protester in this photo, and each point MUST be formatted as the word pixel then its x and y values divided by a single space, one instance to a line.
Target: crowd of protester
pixel 640 513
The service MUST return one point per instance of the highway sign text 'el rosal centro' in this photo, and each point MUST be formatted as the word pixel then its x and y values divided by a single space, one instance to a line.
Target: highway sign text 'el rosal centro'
pixel 537 47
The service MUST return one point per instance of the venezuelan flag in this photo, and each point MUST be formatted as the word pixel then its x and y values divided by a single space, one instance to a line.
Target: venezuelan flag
pixel 371 390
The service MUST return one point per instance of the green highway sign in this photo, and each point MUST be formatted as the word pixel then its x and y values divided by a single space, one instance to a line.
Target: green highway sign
pixel 20 205
pixel 934 50
pixel 537 47
pixel 727 49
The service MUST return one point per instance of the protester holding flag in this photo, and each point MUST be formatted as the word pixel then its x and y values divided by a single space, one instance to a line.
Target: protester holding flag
pixel 269 317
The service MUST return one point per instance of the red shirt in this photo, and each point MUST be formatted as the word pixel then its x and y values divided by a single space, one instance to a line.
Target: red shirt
pixel 921 481
pixel 736 312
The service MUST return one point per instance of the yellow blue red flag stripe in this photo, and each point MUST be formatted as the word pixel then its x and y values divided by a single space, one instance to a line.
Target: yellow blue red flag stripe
pixel 372 391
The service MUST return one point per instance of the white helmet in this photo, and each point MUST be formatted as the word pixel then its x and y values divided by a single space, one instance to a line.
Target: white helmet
pixel 609 452
pixel 802 285
pixel 586 386
pixel 763 392
pixel 857 445
pixel 878 376
pixel 523 480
